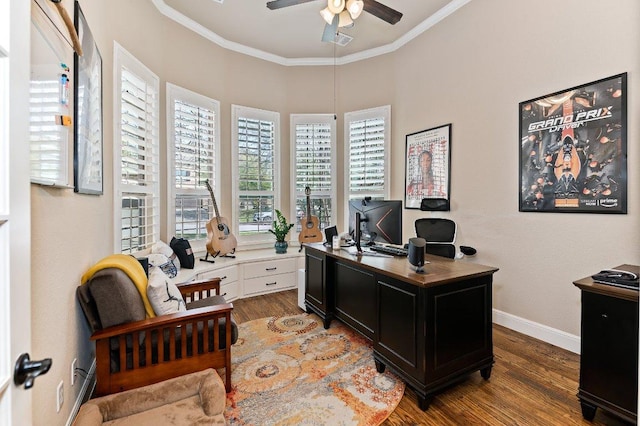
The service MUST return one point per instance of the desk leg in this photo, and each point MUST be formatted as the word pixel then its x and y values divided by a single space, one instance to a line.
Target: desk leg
pixel 588 410
pixel 380 367
pixel 485 372
pixel 424 402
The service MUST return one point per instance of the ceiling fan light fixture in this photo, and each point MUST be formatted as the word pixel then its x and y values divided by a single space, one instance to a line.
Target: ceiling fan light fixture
pixel 335 6
pixel 345 20
pixel 355 8
pixel 327 15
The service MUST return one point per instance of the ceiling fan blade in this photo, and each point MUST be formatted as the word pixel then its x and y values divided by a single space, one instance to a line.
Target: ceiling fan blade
pixel 330 31
pixel 278 4
pixel 383 12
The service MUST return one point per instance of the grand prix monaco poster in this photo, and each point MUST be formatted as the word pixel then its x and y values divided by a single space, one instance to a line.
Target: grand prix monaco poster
pixel 573 149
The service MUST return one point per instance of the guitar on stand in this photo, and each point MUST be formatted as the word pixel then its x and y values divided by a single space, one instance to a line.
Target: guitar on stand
pixel 310 225
pixel 220 240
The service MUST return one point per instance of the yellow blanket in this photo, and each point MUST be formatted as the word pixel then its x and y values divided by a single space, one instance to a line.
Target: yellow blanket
pixel 132 268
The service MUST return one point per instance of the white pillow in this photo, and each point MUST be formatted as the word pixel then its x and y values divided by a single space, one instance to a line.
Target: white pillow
pixel 163 248
pixel 164 296
pixel 164 263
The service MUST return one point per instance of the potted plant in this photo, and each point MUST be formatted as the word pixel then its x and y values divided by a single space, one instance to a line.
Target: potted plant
pixel 280 229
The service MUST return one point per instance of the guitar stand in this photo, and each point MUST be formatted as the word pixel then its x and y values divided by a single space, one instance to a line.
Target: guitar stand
pixel 206 259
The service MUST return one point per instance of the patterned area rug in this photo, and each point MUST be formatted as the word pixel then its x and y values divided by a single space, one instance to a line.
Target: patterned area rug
pixel 291 371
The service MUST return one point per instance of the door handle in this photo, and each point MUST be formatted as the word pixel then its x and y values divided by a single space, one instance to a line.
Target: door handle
pixel 26 370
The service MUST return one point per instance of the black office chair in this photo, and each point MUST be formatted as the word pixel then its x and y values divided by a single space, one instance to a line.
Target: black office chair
pixel 441 236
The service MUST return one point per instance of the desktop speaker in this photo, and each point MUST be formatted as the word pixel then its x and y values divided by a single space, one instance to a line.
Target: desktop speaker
pixel 415 253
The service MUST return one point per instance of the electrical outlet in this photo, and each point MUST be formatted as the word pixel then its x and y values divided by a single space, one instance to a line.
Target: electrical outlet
pixel 59 396
pixel 73 371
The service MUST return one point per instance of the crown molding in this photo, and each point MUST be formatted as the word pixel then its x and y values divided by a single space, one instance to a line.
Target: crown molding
pixel 201 30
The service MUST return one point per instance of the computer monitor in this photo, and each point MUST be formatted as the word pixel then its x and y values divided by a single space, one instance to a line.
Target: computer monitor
pixel 379 220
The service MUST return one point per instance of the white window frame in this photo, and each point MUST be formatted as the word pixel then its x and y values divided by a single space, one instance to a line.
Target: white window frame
pixel 383 112
pixel 125 60
pixel 298 119
pixel 263 239
pixel 177 93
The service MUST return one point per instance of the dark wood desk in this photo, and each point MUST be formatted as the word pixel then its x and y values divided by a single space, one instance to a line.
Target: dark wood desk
pixel 431 329
pixel 609 348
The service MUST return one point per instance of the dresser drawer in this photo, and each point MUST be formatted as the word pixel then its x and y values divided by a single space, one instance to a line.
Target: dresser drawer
pixel 270 283
pixel 227 274
pixel 268 268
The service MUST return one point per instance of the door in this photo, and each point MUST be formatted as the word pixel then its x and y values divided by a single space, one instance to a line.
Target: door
pixel 15 265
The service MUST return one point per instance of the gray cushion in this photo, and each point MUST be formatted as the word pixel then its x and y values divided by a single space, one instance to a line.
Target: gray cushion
pixel 211 301
pixel 116 296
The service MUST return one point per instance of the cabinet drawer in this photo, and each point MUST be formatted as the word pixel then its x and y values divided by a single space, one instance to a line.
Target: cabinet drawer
pixel 270 283
pixel 227 274
pixel 269 267
pixel 230 291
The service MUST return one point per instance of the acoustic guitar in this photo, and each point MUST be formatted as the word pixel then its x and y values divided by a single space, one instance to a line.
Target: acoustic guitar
pixel 220 240
pixel 310 224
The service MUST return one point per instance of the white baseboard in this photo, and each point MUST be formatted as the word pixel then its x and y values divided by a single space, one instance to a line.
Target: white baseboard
pixel 85 393
pixel 542 332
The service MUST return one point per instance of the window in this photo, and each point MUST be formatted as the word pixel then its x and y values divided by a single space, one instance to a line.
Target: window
pixel 313 163
pixel 367 150
pixel 256 172
pixel 136 153
pixel 193 135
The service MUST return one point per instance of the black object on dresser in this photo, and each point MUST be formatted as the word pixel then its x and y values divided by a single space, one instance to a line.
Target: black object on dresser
pixel 609 348
pixel 431 329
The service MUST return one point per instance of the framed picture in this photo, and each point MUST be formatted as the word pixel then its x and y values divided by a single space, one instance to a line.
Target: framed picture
pixel 428 167
pixel 573 149
pixel 87 149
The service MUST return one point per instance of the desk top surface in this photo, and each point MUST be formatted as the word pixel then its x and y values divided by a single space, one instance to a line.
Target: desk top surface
pixel 587 284
pixel 438 271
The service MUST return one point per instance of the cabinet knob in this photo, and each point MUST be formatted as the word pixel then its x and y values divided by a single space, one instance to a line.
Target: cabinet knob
pixel 605 316
pixel 271 269
pixel 273 283
pixel 223 278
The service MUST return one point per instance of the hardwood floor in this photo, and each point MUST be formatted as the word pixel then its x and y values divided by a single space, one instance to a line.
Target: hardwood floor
pixel 532 382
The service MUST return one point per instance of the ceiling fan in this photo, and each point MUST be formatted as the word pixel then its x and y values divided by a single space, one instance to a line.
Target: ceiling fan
pixel 341 13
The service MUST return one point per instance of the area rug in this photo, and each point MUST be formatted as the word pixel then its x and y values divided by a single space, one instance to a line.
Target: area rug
pixel 291 371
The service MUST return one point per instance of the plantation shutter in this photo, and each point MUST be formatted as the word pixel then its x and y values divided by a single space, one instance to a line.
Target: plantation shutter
pixel 313 157
pixel 192 145
pixel 314 166
pixel 194 128
pixel 255 172
pixel 139 160
pixel 367 157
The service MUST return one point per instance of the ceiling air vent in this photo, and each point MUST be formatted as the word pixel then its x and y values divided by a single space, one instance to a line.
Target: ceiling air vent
pixel 218 1
pixel 342 39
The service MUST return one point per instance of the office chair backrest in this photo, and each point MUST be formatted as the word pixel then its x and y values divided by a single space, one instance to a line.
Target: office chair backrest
pixel 436 230
pixel 440 235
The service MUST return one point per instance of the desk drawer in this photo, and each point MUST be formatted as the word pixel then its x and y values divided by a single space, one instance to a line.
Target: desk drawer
pixel 269 267
pixel 270 283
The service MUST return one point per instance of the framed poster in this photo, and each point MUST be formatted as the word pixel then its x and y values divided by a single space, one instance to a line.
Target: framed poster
pixel 428 166
pixel 87 148
pixel 573 149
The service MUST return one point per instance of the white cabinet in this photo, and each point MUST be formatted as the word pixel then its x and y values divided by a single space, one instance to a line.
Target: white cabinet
pixel 269 275
pixel 250 273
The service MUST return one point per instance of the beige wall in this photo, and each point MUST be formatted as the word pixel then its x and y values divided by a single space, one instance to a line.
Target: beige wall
pixel 470 70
